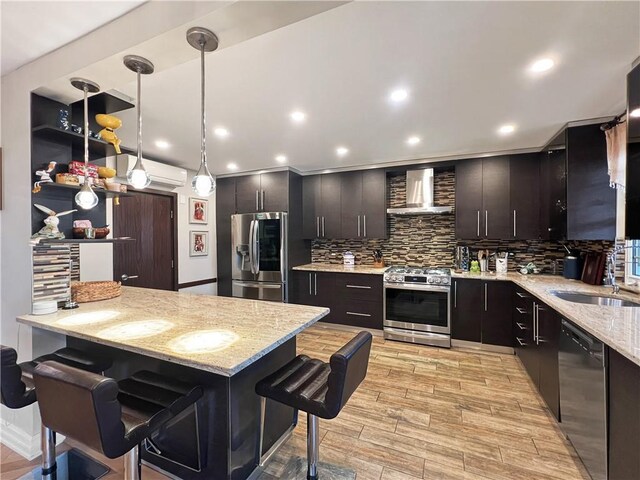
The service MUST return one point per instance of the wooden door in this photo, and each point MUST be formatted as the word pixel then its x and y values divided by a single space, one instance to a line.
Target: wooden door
pixel 497 327
pixel 331 218
pixel 311 200
pixel 149 218
pixel 549 330
pixel 524 186
pixel 324 289
pixel 468 199
pixel 248 194
pixel 374 203
pixel 274 193
pixel 466 310
pixel 302 288
pixel 351 208
pixel 225 207
pixel 524 344
pixel 495 215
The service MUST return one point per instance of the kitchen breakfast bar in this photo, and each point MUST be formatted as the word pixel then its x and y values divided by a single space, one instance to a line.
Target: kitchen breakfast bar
pixel 226 345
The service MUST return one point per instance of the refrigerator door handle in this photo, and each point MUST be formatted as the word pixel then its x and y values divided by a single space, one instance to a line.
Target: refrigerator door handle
pixel 256 246
pixel 251 253
pixel 257 285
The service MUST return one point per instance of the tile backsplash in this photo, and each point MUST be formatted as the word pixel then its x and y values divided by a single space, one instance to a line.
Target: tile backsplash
pixel 429 240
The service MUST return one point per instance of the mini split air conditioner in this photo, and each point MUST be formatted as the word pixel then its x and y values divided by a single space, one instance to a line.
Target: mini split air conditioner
pixel 161 174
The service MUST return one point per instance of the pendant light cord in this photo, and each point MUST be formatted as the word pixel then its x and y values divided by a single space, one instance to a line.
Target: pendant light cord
pixel 203 146
pixel 85 105
pixel 139 91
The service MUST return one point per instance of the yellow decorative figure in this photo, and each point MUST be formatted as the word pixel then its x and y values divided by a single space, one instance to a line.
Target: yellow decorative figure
pixel 109 124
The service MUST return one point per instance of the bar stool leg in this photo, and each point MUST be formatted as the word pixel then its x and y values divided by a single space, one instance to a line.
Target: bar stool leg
pixel 48 447
pixel 132 464
pixel 312 447
pixel 263 415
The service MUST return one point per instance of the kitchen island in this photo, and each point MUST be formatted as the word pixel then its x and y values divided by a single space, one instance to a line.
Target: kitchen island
pixel 224 344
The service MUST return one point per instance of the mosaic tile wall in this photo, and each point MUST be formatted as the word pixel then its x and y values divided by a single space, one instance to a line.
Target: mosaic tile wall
pixel 429 240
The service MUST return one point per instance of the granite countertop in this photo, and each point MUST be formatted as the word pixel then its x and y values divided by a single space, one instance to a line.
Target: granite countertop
pixel 618 327
pixel 340 268
pixel 218 334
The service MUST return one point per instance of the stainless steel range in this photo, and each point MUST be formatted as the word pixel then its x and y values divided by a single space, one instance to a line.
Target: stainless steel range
pixel 416 305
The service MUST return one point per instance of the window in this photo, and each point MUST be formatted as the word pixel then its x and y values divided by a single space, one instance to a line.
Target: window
pixel 634 258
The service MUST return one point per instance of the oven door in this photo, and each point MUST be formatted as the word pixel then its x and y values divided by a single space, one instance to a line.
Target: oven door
pixel 417 308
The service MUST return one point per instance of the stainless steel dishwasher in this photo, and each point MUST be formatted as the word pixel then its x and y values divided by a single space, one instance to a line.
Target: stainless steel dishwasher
pixel 583 397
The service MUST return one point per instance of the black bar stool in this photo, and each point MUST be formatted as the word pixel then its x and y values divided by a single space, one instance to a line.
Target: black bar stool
pixel 17 391
pixel 108 416
pixel 318 388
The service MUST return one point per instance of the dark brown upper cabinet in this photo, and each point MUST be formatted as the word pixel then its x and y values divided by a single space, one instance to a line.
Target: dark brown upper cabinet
pixel 364 204
pixel 632 190
pixel 524 196
pixel 266 192
pixel 468 198
pixel 553 191
pixel 321 206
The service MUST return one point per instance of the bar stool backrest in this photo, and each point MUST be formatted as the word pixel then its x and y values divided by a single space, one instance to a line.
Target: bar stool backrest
pixel 13 391
pixel 348 369
pixel 80 405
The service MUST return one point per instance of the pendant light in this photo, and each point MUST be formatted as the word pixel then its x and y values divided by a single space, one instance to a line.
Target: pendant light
pixel 86 198
pixel 203 183
pixel 138 177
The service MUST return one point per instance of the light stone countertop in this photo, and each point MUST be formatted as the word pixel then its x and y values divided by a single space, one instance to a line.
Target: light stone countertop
pixel 217 334
pixel 340 268
pixel 618 327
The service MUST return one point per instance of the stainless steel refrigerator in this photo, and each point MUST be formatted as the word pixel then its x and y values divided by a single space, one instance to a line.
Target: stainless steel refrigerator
pixel 259 256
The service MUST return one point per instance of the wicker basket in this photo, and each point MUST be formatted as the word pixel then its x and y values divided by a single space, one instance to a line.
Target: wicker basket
pixel 83 292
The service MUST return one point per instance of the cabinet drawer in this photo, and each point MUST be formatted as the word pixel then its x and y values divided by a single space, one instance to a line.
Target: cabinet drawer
pixel 359 287
pixel 359 313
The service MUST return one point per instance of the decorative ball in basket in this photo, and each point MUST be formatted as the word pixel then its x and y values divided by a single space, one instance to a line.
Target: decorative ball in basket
pixel 83 292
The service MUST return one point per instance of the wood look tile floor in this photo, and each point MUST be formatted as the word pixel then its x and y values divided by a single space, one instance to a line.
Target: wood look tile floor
pixel 421 412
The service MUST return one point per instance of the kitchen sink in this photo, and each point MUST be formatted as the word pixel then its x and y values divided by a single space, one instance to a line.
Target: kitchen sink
pixel 602 300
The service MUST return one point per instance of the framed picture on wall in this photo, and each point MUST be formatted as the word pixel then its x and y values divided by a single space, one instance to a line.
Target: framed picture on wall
pixel 198 244
pixel 198 210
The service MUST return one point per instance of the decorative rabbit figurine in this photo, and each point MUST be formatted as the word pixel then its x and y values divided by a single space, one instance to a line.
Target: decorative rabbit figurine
pixel 50 229
pixel 109 124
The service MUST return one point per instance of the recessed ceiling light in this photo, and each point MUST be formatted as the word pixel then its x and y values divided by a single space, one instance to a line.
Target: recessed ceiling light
pixel 342 151
pixel 298 116
pixel 281 158
pixel 399 95
pixel 413 140
pixel 163 144
pixel 542 65
pixel 221 132
pixel 635 113
pixel 326 171
pixel 506 129
pixel 232 166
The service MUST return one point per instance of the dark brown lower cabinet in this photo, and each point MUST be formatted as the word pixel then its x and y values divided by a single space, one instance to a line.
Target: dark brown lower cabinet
pixel 624 418
pixel 536 331
pixel 481 311
pixel 354 299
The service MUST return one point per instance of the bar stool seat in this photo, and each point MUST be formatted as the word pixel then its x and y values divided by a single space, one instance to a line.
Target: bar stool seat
pixel 108 416
pixel 320 389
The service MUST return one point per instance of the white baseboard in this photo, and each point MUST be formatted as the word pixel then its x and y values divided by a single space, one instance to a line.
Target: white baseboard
pixel 19 441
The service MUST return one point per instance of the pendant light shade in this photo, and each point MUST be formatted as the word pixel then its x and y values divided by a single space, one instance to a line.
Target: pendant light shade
pixel 86 198
pixel 203 183
pixel 138 177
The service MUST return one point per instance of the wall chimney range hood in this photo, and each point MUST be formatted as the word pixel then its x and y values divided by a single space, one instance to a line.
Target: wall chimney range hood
pixel 419 195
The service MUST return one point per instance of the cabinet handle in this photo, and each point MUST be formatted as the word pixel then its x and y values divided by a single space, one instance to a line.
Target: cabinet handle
pixel 257 201
pixel 262 199
pixel 478 227
pixel 485 297
pixel 486 223
pixel 323 234
pixel 358 225
pixel 317 226
pixel 455 294
pixel 359 286
pixel 522 344
pixel 521 310
pixel 515 222
pixel 535 322
pixel 521 326
pixel 364 225
pixel 359 314
pixel 315 275
pixel 522 295
pixel 309 284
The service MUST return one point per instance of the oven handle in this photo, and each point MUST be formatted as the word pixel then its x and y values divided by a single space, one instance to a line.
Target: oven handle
pixel 406 286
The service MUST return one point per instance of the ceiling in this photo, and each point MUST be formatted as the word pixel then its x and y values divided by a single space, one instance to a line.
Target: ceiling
pixel 465 66
pixel 31 29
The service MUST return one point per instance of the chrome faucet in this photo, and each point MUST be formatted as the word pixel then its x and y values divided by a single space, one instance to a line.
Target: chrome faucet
pixel 612 258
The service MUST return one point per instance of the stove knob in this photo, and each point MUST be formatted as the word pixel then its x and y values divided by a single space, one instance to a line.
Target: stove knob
pixel 436 280
pixel 445 281
pixel 430 279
